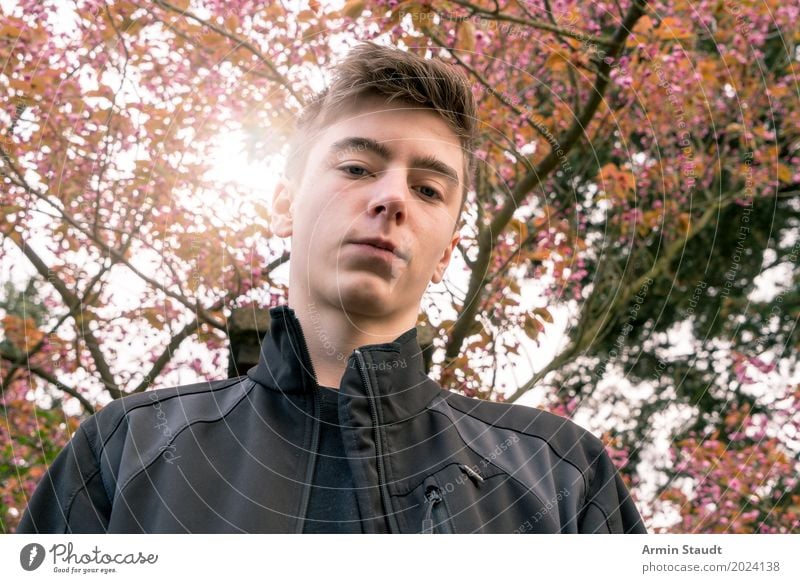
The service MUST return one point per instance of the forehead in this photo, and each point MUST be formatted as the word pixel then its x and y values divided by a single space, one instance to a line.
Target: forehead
pixel 397 125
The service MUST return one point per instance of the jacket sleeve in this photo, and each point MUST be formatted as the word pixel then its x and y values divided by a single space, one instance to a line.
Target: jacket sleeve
pixel 71 497
pixel 608 506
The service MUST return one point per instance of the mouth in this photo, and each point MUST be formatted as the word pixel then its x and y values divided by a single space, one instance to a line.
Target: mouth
pixel 382 244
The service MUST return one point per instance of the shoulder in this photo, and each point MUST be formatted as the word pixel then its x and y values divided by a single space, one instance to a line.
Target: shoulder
pixel 170 407
pixel 131 433
pixel 565 439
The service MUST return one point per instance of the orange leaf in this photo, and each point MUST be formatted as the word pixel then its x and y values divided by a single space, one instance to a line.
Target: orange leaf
pixel 533 327
pixel 466 37
pixel 784 173
pixel 544 314
pixel 353 8
pixel 645 24
pixel 539 254
pixel 557 61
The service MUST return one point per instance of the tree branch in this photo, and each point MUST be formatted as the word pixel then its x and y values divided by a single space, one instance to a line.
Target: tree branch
pixel 166 356
pixel 478 280
pixel 589 333
pixel 40 372
pixel 535 24
pixel 488 86
pixel 240 42
pixel 105 248
pixel 76 308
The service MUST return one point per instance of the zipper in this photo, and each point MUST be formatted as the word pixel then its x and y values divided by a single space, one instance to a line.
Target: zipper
pixel 312 459
pixel 435 512
pixel 376 436
pixel 473 474
pixel 306 356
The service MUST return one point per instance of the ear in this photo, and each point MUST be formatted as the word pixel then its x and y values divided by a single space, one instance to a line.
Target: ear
pixel 282 206
pixel 438 273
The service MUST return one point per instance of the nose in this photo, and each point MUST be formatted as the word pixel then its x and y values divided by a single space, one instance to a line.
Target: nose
pixel 390 196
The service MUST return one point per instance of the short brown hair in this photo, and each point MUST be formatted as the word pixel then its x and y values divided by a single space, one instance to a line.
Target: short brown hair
pixel 373 70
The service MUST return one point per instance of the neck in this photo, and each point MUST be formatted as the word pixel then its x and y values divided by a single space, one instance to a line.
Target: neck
pixel 332 335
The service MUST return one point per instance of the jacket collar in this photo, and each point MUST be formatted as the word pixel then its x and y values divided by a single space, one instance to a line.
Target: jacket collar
pixel 394 369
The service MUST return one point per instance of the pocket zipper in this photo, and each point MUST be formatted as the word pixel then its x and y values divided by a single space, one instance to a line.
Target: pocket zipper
pixel 434 500
pixel 473 474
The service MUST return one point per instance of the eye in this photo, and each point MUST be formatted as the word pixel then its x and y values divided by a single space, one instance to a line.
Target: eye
pixel 347 170
pixel 429 192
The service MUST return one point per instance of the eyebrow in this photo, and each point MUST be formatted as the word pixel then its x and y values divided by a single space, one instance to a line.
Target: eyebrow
pixel 428 162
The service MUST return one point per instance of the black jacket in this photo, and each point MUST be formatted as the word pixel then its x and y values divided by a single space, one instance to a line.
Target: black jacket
pixel 238 455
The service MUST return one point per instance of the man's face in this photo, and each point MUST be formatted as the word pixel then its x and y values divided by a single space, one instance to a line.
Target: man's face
pixel 380 175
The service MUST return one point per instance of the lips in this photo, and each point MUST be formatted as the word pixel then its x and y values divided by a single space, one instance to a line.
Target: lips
pixel 380 243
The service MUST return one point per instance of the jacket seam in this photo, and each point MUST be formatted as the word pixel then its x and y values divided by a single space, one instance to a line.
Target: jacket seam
pixel 311 462
pixel 544 439
pixel 500 470
pixel 431 472
pixel 99 466
pixel 71 501
pixel 380 433
pixel 591 496
pixel 350 440
pixel 124 416
pixel 585 508
pixel 181 430
pixel 84 480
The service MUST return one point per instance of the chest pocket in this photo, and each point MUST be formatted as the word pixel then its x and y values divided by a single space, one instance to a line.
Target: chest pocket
pixel 528 486
pixel 460 497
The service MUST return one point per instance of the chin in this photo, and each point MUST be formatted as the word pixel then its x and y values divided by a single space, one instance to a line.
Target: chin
pixel 364 295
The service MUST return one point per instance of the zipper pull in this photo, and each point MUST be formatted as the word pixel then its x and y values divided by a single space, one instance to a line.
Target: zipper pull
pixel 474 475
pixel 433 497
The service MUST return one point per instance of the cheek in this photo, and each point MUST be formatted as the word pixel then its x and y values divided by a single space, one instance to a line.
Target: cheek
pixel 322 236
pixel 428 255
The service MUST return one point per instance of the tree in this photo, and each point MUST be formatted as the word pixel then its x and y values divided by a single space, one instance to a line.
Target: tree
pixel 639 161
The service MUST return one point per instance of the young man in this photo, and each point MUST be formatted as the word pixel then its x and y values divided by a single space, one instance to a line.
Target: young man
pixel 338 428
